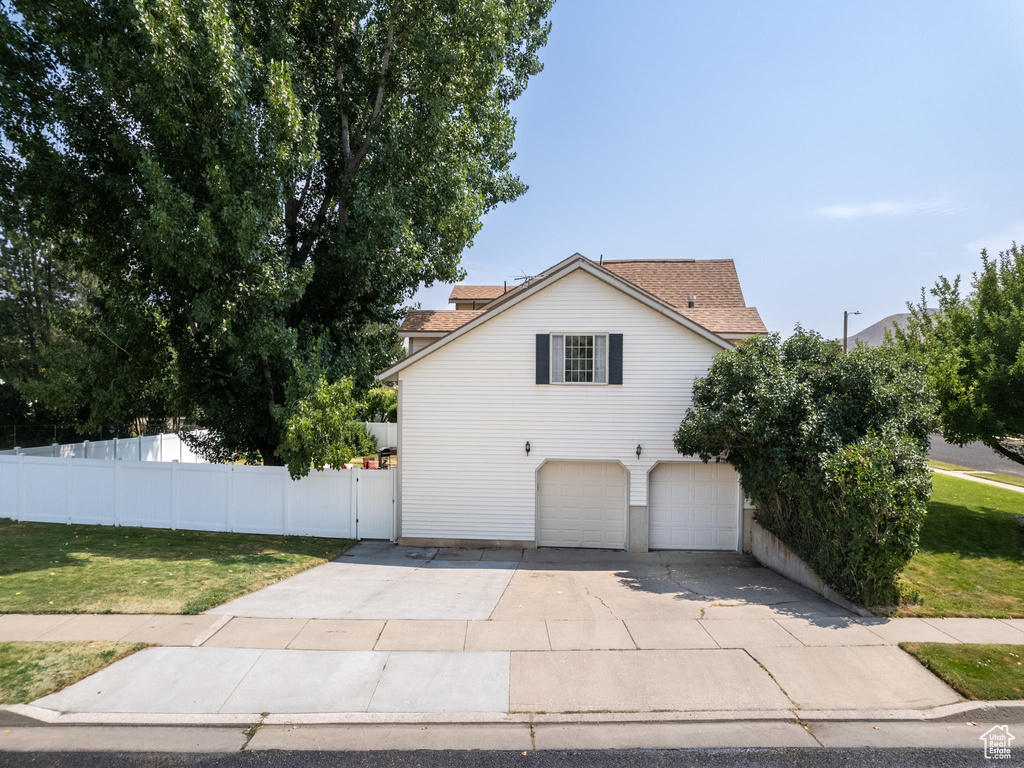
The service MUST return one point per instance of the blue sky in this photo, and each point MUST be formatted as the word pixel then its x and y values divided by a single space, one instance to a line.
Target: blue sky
pixel 843 153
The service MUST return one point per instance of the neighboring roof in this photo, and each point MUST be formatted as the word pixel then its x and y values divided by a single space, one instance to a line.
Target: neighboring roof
pixel 713 281
pixel 726 320
pixel 478 292
pixel 513 296
pixel 419 320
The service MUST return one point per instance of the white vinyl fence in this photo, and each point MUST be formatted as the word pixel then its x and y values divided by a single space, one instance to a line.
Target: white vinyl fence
pixel 386 433
pixel 164 447
pixel 353 503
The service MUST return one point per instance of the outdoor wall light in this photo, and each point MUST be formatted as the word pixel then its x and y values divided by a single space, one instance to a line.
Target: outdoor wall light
pixel 638 449
pixel 527 447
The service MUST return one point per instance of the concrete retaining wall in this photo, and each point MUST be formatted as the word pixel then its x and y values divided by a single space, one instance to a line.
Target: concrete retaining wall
pixel 769 550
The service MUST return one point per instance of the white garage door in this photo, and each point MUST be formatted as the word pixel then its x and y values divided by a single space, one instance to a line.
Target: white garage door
pixel 581 504
pixel 693 505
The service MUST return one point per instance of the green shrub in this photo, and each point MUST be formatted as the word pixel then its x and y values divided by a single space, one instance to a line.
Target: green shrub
pixel 830 449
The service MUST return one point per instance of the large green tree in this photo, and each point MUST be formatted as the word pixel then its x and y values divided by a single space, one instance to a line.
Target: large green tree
pixel 41 297
pixel 829 446
pixel 973 347
pixel 255 186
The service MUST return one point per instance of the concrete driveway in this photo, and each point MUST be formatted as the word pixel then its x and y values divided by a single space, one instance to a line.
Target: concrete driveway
pixel 376 580
pixel 388 629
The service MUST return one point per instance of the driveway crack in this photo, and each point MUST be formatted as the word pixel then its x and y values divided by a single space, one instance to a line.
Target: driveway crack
pixel 602 602
pixel 252 730
pixel 768 672
pixel 376 685
pixel 503 591
pixel 806 726
pixel 228 697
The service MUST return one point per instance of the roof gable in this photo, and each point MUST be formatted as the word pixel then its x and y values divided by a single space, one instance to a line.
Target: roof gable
pixel 523 292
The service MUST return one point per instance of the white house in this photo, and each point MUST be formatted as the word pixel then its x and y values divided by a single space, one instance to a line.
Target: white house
pixel 543 415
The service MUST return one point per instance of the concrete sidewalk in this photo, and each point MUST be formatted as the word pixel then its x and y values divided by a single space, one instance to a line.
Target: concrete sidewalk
pixel 222 665
pixel 987 481
pixel 963 733
pixel 220 681
pixel 746 633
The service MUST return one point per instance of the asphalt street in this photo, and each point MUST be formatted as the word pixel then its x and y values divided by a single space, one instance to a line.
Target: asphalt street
pixel 973 455
pixel 716 758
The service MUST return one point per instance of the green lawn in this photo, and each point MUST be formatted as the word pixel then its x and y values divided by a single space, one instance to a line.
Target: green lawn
pixel 948 467
pixel 984 672
pixel 970 561
pixel 53 568
pixel 31 670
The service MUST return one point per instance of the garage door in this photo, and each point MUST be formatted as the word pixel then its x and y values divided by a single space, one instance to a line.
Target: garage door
pixel 581 504
pixel 693 505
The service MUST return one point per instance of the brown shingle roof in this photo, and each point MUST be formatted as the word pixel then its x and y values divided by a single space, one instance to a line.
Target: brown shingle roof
pixel 437 319
pixel 726 319
pixel 713 281
pixel 720 305
pixel 478 292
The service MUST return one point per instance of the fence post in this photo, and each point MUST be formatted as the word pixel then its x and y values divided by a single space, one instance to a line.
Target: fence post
pixel 17 450
pixel 354 485
pixel 69 501
pixel 85 449
pixel 231 493
pixel 56 450
pixel 286 503
pixel 117 487
pixel 160 448
pixel 394 507
pixel 116 454
pixel 174 496
pixel 21 486
pixel 140 447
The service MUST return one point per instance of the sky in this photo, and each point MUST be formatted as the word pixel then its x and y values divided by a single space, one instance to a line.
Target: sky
pixel 844 154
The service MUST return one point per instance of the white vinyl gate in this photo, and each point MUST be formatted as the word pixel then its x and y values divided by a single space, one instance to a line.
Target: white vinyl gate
pixel 351 503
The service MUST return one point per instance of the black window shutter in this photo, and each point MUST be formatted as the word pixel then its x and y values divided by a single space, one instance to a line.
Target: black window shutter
pixel 614 358
pixel 543 358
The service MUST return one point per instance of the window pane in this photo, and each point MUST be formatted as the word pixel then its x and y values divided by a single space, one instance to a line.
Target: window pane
pixel 579 359
pixel 600 344
pixel 557 358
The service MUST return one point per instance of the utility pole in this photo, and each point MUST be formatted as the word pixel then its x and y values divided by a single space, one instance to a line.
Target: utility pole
pixel 846 319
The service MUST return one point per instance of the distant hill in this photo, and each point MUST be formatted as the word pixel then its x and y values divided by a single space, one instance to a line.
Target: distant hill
pixel 874 335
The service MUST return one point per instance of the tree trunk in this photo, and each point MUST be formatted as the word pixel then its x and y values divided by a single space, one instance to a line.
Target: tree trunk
pixel 270 459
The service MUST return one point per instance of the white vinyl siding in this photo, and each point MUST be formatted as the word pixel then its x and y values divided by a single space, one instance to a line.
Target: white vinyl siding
pixel 416 343
pixel 469 408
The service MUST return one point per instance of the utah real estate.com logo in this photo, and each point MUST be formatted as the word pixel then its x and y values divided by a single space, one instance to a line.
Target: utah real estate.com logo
pixel 997 742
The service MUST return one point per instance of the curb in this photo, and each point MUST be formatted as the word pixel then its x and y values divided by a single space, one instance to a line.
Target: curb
pixel 1000 709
